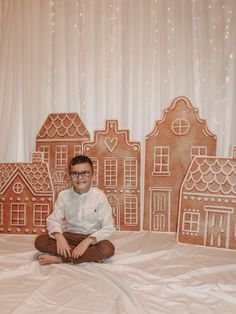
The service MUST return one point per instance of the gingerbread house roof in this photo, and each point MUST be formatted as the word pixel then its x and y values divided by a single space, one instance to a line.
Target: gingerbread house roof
pixel 186 105
pixel 111 129
pixel 35 175
pixel 63 126
pixel 211 175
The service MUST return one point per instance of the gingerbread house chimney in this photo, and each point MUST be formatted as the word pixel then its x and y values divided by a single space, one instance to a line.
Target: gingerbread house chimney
pixel 234 152
pixel 37 157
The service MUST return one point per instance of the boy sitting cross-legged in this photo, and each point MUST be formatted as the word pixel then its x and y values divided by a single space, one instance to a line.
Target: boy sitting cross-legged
pixel 88 219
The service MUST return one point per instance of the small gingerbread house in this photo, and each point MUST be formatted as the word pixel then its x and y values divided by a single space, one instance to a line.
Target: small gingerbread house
pixel 60 139
pixel 26 196
pixel 116 163
pixel 207 209
pixel 179 136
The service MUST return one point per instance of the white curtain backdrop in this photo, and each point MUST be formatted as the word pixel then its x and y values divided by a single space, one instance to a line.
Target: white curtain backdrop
pixel 114 59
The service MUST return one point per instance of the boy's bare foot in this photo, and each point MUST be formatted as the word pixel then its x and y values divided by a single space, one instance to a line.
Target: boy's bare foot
pixel 46 259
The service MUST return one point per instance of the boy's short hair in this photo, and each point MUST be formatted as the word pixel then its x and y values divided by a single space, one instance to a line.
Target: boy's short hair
pixel 81 159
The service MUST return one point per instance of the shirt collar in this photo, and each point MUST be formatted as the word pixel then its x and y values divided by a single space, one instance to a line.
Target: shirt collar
pixel 75 194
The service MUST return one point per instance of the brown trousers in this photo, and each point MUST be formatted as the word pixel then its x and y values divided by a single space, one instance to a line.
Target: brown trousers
pixel 96 252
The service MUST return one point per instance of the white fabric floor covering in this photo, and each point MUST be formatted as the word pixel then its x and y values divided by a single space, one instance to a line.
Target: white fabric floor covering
pixel 150 273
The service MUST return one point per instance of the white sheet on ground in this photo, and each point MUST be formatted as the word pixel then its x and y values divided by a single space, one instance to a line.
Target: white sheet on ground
pixel 150 273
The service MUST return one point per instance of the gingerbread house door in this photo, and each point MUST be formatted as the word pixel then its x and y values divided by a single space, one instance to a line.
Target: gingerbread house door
pixel 217 227
pixel 115 210
pixel 160 205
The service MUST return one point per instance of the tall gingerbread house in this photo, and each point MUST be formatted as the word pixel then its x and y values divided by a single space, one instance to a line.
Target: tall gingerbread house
pixel 174 141
pixel 116 163
pixel 60 139
pixel 207 208
pixel 26 196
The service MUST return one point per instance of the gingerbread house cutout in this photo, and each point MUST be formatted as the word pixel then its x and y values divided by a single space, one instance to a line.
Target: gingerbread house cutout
pixel 207 209
pixel 60 139
pixel 116 163
pixel 179 136
pixel 26 196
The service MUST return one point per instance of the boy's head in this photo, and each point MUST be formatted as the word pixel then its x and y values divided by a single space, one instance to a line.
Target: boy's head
pixel 81 173
pixel 80 159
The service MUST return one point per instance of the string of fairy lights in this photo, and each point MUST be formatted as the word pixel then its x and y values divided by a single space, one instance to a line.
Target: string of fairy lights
pixel 113 58
pixel 79 26
pixel 51 79
pixel 159 79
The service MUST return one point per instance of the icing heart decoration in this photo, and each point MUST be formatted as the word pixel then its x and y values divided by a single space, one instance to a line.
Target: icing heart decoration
pixel 111 143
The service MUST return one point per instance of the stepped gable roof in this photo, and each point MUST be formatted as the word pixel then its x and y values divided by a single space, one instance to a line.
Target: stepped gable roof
pixel 63 126
pixel 211 175
pixel 111 131
pixel 36 176
pixel 181 107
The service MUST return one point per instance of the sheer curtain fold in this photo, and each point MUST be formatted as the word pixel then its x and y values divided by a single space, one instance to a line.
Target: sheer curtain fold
pixel 114 59
pixel 24 79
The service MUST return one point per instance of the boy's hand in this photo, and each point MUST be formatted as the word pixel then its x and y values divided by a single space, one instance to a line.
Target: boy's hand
pixel 82 247
pixel 63 247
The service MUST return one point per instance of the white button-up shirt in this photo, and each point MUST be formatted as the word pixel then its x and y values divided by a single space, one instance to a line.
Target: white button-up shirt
pixel 86 213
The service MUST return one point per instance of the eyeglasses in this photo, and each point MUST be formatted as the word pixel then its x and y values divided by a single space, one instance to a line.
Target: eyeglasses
pixel 82 174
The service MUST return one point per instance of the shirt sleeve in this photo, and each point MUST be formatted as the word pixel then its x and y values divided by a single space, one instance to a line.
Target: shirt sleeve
pixel 54 221
pixel 106 220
